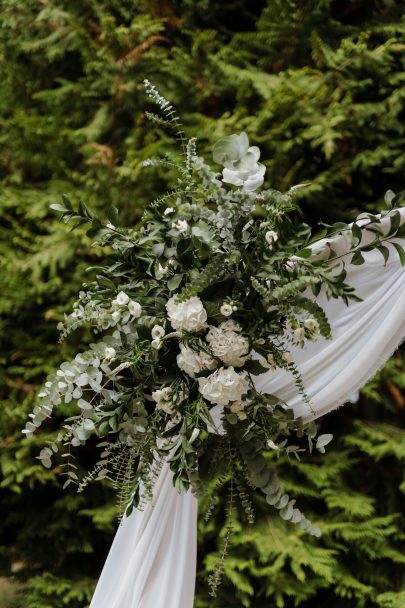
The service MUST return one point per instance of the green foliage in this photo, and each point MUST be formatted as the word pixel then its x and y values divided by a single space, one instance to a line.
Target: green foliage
pixel 318 86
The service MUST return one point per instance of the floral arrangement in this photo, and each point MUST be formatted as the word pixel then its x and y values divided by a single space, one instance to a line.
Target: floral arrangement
pixel 217 285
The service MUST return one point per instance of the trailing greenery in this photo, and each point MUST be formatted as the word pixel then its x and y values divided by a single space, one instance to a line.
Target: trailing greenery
pixel 317 86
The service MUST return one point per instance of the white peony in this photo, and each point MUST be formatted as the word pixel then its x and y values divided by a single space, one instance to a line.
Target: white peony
pixel 193 362
pixel 228 344
pixel 189 315
pixel 224 386
pixel 240 161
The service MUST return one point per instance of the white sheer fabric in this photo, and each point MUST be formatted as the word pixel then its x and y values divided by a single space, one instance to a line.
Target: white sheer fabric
pixel 152 560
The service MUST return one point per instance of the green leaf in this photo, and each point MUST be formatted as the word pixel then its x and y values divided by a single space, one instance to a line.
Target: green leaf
pixel 357 259
pixel 401 252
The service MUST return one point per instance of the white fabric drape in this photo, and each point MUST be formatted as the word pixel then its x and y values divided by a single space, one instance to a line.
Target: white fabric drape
pixel 152 560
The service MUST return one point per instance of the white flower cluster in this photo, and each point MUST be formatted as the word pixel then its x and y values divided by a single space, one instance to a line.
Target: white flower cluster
pixel 131 308
pixel 227 343
pixel 193 362
pixel 301 331
pixel 224 386
pixel 240 162
pixel 187 316
pixel 165 399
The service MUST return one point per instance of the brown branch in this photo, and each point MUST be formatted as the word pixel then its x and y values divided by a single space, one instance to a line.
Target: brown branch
pixel 142 48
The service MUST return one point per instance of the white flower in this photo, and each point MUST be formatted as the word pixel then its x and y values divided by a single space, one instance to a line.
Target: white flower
pixel 158 331
pixel 238 408
pixel 116 315
pixel 156 343
pixel 180 225
pixel 189 315
pixel 224 386
pixel 135 309
pixel 110 226
pixel 168 210
pixel 272 445
pixel 194 435
pixel 288 357
pixel 226 309
pixel 164 399
pixel 271 237
pixel 299 334
pixel 240 161
pixel 193 362
pixel 312 325
pixel 228 344
pixel 109 352
pixel 121 299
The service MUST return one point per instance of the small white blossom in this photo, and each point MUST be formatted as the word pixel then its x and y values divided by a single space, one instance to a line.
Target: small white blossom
pixel 122 299
pixel 116 315
pixel 226 309
pixel 288 357
pixel 238 408
pixel 110 352
pixel 168 210
pixel 156 343
pixel 111 226
pixel 227 343
pixel 271 237
pixel 135 309
pixel 193 362
pixel 164 399
pixel 194 435
pixel 158 331
pixel 272 445
pixel 188 316
pixel 180 225
pixel 224 386
pixel 299 334
pixel 312 325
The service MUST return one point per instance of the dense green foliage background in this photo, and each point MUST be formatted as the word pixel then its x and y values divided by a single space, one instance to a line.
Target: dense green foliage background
pixel 318 85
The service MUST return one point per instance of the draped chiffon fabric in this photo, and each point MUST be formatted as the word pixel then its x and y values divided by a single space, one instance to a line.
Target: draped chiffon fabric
pixel 152 561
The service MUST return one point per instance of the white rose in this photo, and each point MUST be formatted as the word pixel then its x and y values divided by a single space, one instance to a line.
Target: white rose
pixel 228 344
pixel 193 362
pixel 121 299
pixel 224 386
pixel 226 309
pixel 271 237
pixel 189 315
pixel 135 309
pixel 158 331
pixel 116 315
